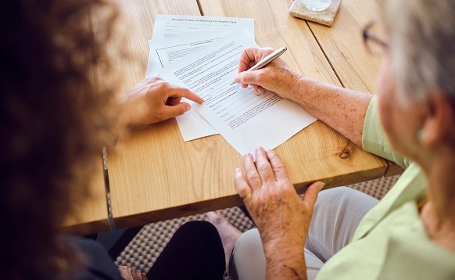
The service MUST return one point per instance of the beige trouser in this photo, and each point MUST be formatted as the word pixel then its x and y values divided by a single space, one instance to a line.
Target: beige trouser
pixel 336 215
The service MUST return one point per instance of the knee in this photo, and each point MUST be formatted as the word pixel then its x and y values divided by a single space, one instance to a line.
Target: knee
pixel 197 227
pixel 341 202
pixel 249 240
pixel 248 259
pixel 337 194
pixel 200 233
pixel 334 192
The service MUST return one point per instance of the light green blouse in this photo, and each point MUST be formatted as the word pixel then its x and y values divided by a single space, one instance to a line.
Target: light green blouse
pixel 390 241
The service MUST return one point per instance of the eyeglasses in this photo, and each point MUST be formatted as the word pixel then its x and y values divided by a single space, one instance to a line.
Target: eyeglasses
pixel 372 34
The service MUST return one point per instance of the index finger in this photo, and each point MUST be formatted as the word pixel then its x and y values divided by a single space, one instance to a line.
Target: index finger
pixel 183 92
pixel 250 56
pixel 246 58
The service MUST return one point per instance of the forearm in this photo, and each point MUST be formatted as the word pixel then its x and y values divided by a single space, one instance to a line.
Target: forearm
pixel 282 263
pixel 342 109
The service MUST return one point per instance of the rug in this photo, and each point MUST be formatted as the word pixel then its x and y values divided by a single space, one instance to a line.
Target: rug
pixel 145 248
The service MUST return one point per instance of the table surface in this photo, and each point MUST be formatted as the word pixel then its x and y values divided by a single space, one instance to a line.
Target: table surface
pixel 154 175
pixel 92 217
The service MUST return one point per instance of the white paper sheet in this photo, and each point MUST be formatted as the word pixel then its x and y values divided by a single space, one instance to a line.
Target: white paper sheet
pixel 244 118
pixel 166 52
pixel 168 26
pixel 192 125
pixel 176 36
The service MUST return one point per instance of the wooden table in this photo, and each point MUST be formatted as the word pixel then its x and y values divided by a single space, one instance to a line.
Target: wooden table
pixel 154 175
pixel 92 216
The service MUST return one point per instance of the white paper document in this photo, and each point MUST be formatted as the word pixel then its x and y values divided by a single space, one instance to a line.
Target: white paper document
pixel 175 37
pixel 168 26
pixel 243 117
pixel 166 52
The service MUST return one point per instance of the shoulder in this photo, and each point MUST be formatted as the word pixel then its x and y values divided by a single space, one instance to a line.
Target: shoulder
pixel 97 262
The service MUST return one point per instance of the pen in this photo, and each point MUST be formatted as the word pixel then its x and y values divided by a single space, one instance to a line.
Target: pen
pixel 266 60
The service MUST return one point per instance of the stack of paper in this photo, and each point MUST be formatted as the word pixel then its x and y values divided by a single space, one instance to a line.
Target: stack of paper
pixel 202 54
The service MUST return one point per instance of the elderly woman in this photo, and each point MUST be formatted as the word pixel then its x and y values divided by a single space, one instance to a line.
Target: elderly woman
pixel 410 233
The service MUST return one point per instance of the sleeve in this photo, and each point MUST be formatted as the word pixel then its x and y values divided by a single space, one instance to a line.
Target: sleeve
pixel 374 139
pixel 98 263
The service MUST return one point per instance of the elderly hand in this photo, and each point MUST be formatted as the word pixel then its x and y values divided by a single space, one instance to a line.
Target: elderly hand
pixel 281 217
pixel 276 76
pixel 129 273
pixel 154 100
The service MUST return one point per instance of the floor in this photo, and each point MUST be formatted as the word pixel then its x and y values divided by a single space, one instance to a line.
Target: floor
pixel 143 250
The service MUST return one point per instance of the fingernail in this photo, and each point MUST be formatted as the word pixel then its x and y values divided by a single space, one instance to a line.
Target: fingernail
pixel 187 108
pixel 321 186
pixel 237 78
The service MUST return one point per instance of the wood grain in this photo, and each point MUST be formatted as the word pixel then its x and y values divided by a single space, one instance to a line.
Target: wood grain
pixel 92 216
pixel 154 175
pixel 343 44
pixel 275 28
pixel 134 28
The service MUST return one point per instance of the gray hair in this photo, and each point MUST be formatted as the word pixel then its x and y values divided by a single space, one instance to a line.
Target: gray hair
pixel 422 46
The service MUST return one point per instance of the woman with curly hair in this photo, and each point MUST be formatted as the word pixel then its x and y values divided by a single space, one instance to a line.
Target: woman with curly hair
pixel 54 120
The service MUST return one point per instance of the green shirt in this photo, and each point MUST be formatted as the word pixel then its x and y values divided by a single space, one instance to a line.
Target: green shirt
pixel 390 241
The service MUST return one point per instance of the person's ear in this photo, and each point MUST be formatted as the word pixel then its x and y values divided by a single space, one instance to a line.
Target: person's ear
pixel 439 123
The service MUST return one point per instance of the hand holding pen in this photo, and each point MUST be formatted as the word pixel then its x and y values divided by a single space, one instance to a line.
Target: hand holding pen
pixel 253 59
pixel 266 60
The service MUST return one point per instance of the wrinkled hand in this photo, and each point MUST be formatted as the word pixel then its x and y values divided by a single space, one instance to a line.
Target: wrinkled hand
pixel 153 100
pixel 281 217
pixel 276 76
pixel 131 274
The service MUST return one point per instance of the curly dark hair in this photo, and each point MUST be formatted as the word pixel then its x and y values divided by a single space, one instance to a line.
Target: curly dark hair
pixel 55 118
